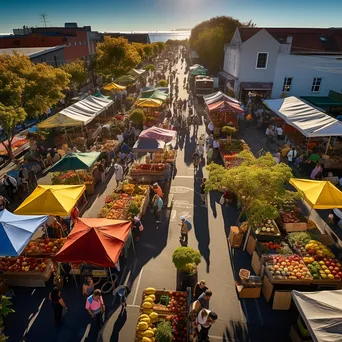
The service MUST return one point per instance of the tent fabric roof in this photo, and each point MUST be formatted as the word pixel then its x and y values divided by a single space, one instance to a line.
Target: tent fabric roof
pixel 310 121
pixel 319 194
pixel 95 241
pixel 224 106
pixel 162 89
pixel 148 145
pixel 322 101
pixel 113 86
pixel 154 94
pixel 125 79
pixel 148 103
pixel 75 161
pixel 165 135
pixel 55 200
pixel 137 72
pixel 219 96
pixel 16 231
pixel 78 114
pixel 322 313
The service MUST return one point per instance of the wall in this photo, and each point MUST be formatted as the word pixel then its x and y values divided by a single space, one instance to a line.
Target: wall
pixel 260 42
pixel 303 69
pixel 76 46
pixel 49 58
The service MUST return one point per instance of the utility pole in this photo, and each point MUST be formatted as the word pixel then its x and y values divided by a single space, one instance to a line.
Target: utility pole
pixel 43 19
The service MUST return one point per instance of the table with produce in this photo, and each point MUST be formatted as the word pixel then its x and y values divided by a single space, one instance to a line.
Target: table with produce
pixel 267 231
pixel 125 203
pixel 229 152
pixel 164 157
pixel 320 260
pixel 26 271
pixel 162 310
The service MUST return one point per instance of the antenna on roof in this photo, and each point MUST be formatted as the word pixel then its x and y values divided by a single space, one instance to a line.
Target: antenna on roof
pixel 43 19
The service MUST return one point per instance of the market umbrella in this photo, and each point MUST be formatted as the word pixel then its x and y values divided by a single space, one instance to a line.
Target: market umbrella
pixel 148 145
pixel 75 161
pixel 113 87
pixel 154 94
pixel 319 194
pixel 95 241
pixel 162 89
pixel 137 72
pixel 125 80
pixel 16 231
pixel 148 103
pixel 54 200
pixel 198 70
pixel 165 135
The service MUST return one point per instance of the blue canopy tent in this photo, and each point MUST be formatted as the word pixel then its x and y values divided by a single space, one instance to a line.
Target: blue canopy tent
pixel 16 231
pixel 148 145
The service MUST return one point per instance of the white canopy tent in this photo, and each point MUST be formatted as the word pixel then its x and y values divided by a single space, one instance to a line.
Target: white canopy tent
pixel 78 114
pixel 322 313
pixel 219 96
pixel 307 119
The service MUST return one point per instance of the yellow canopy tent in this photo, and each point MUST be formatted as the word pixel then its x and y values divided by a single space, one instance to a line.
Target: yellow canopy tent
pixel 319 194
pixel 51 200
pixel 148 103
pixel 113 87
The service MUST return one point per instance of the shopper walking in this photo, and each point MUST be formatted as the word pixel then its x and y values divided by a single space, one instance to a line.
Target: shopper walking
pixel 96 307
pixel 11 186
pixel 203 194
pixel 210 154
pixel 185 229
pixel 199 289
pixel 88 287
pixel 291 156
pixel 57 304
pixel 203 300
pixel 157 207
pixel 118 171
pixel 205 319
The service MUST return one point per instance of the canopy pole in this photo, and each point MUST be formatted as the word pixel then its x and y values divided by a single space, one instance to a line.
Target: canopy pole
pixel 82 131
pixel 307 147
pixel 328 144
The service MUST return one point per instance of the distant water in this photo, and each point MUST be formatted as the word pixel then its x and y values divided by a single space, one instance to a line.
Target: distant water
pixel 163 36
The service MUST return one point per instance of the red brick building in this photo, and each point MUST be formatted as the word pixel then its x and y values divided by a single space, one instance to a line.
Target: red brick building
pixel 79 41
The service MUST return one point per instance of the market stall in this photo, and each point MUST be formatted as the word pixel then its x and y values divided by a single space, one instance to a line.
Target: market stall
pixel 155 95
pixel 54 200
pixel 158 306
pixel 148 103
pixel 113 87
pixel 136 73
pixel 144 145
pixel 77 161
pixel 165 135
pixel 219 96
pixel 321 312
pixel 16 231
pixel 125 80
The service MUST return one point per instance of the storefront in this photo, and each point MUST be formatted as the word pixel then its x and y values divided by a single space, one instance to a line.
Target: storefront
pixel 255 91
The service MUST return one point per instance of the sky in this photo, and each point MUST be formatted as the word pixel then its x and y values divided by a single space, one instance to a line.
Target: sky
pixel 163 15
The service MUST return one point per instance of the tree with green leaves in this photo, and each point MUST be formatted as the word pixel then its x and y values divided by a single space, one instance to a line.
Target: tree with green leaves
pixel 208 39
pixel 161 46
pixel 150 67
pixel 257 182
pixel 155 47
pixel 140 49
pixel 78 73
pixel 115 57
pixel 27 90
pixel 162 83
pixel 148 49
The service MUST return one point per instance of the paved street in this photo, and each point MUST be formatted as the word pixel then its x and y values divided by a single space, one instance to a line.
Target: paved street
pixel 239 320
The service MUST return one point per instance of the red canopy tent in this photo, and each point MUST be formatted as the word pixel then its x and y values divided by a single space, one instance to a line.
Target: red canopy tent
pixel 225 106
pixel 166 135
pixel 95 241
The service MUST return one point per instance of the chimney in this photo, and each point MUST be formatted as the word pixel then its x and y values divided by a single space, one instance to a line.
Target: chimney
pixel 289 39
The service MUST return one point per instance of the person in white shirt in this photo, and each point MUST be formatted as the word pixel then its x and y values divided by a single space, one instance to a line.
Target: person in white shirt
pixel 118 171
pixel 211 127
pixel 11 185
pixel 279 131
pixel 291 156
pixel 205 319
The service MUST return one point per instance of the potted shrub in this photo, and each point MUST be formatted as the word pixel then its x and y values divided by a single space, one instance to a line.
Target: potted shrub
pixel 150 67
pixel 164 332
pixel 162 83
pixel 186 260
pixel 229 130
pixel 5 303
pixel 137 116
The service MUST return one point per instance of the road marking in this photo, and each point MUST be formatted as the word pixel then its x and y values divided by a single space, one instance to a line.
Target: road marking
pixel 184 177
pixel 138 284
pixel 86 333
pixel 213 337
pixel 133 306
pixel 34 317
pixel 33 292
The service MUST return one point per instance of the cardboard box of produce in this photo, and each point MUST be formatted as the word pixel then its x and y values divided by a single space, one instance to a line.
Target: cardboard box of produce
pixel 235 237
pixel 267 288
pixel 251 245
pixel 281 300
pixel 248 292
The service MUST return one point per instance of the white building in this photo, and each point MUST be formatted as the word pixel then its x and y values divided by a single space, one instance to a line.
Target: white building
pixel 274 62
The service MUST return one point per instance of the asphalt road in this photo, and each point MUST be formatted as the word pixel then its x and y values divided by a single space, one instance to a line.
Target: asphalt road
pixel 239 320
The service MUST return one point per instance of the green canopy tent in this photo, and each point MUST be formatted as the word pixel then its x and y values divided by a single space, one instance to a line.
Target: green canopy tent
pixel 75 161
pixel 199 70
pixel 98 94
pixel 125 80
pixel 154 94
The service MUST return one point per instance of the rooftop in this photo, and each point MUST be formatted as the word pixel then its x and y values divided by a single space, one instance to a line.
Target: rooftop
pixel 304 40
pixel 31 52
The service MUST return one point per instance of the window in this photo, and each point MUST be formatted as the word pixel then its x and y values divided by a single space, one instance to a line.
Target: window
pixel 287 84
pixel 80 42
pixel 262 60
pixel 85 43
pixel 75 43
pixel 316 85
pixel 323 39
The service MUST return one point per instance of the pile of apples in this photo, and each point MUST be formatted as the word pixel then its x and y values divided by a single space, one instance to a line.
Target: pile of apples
pixel 23 264
pixel 44 247
pixel 287 267
pixel 324 269
pixel 178 301
pixel 179 329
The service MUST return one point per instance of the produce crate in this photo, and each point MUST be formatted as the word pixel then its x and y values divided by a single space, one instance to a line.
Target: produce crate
pixel 269 236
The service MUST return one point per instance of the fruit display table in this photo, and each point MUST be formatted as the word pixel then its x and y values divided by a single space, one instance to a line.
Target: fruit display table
pixel 27 277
